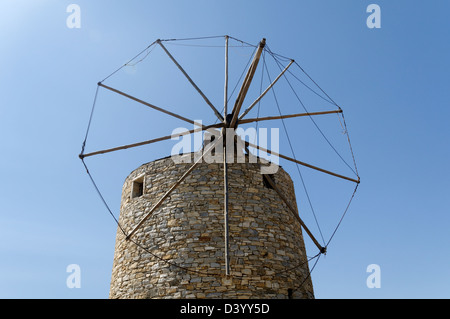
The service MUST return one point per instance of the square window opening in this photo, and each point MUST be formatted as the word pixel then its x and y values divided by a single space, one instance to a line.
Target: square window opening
pixel 137 189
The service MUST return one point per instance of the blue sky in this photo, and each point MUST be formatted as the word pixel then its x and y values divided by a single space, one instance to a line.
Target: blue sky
pixel 392 84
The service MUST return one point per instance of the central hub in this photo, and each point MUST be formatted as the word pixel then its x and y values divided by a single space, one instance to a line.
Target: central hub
pixel 228 119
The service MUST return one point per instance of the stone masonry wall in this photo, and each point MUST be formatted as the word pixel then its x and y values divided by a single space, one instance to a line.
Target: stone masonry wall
pixel 180 251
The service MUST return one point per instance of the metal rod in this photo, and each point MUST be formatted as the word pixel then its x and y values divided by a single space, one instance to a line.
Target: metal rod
pixel 246 84
pixel 245 121
pixel 148 104
pixel 293 211
pixel 190 80
pixel 171 189
pixel 163 138
pixel 302 163
pixel 265 91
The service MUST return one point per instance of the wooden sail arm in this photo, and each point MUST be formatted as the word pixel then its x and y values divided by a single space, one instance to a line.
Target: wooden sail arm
pixel 148 104
pixel 219 116
pixel 159 139
pixel 245 121
pixel 173 187
pixel 225 170
pixel 294 212
pixel 226 208
pixel 246 84
pixel 225 90
pixel 265 91
pixel 302 163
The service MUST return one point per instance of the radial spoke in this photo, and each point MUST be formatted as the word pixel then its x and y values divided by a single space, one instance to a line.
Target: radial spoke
pixel 172 188
pixel 225 208
pixel 191 81
pixel 225 169
pixel 246 84
pixel 163 138
pixel 148 104
pixel 302 163
pixel 293 211
pixel 225 94
pixel 264 93
pixel 245 121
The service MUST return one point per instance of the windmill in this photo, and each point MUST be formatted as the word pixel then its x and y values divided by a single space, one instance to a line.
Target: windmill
pixel 225 142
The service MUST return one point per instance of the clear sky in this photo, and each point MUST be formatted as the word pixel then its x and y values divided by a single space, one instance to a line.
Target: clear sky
pixel 392 83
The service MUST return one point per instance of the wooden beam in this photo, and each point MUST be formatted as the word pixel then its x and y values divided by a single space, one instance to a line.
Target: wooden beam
pixel 302 163
pixel 171 189
pixel 246 84
pixel 190 81
pixel 225 102
pixel 148 104
pixel 225 169
pixel 225 208
pixel 265 91
pixel 293 211
pixel 245 121
pixel 163 138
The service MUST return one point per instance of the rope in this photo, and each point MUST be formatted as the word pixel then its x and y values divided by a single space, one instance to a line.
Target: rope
pixel 308 87
pixel 102 198
pixel 317 85
pixel 309 274
pixel 90 120
pixel 350 144
pixel 198 38
pixel 343 215
pixel 120 68
pixel 243 42
pixel 142 59
pixel 299 265
pixel 208 46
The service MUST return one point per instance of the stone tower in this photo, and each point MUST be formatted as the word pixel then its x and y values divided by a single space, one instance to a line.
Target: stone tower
pixel 179 250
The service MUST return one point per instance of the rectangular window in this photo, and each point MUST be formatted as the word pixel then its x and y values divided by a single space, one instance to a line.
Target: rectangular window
pixel 137 189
